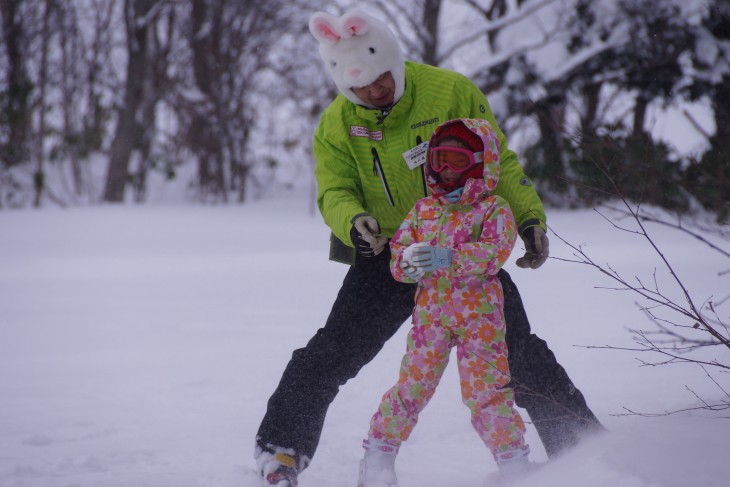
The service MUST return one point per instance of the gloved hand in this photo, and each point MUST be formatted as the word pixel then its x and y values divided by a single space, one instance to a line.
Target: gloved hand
pixel 415 273
pixel 428 258
pixel 364 235
pixel 407 265
pixel 537 248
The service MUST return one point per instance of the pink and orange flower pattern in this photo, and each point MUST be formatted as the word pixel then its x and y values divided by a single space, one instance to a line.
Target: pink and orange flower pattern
pixel 459 306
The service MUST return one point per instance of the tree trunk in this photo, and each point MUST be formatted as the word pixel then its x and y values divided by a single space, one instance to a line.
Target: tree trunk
pixel 591 97
pixel 721 109
pixel 550 115
pixel 126 137
pixel 640 116
pixel 69 87
pixel 43 80
pixel 16 107
pixel 720 144
pixel 497 10
pixel 431 13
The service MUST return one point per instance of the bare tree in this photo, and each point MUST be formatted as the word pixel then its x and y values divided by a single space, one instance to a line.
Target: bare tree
pixel 73 65
pixel 15 97
pixel 136 124
pixel 229 45
pixel 222 71
pixel 683 330
pixel 709 177
pixel 75 143
pixel 417 26
pixel 42 84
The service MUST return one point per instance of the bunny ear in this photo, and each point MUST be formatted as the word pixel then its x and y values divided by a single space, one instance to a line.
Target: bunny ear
pixel 322 27
pixel 355 24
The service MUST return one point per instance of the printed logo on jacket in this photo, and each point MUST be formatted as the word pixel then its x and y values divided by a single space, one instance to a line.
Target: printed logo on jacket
pixel 357 131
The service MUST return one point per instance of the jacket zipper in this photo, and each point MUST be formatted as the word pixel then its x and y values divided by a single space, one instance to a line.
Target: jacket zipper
pixel 423 169
pixel 378 171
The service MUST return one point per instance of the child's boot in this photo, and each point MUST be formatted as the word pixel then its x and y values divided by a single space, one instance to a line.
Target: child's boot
pixel 377 468
pixel 513 464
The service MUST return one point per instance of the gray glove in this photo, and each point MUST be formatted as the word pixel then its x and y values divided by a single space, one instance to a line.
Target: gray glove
pixel 429 258
pixel 411 271
pixel 419 258
pixel 537 248
pixel 364 236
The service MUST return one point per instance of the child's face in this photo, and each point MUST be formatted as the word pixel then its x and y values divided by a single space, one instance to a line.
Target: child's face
pixel 447 175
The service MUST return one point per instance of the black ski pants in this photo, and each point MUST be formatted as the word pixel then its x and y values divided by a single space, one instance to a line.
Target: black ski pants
pixel 369 309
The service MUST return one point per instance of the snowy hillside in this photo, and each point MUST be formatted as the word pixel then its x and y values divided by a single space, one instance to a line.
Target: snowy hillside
pixel 139 345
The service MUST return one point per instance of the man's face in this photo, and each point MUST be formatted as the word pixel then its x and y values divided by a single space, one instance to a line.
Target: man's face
pixel 380 93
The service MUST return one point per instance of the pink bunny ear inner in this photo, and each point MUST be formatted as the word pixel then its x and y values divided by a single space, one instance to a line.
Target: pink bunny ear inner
pixel 324 31
pixel 355 26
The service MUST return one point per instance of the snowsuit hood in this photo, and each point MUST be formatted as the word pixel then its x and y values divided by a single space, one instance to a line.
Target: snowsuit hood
pixel 473 188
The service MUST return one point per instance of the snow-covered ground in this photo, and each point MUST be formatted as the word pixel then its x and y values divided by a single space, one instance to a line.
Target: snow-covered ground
pixel 139 345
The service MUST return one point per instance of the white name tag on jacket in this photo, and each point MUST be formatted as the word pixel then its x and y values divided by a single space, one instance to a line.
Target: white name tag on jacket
pixel 417 156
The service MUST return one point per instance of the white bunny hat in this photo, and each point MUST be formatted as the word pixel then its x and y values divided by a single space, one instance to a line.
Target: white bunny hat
pixel 357 48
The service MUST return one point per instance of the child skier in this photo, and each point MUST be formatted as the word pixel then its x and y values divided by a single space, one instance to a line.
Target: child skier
pixel 453 243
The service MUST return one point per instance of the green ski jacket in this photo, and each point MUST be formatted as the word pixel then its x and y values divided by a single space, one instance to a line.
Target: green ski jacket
pixel 360 163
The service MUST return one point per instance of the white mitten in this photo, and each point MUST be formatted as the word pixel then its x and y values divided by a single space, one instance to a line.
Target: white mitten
pixel 412 271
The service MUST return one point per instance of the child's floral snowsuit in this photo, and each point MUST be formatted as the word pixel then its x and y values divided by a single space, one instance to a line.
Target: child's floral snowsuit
pixel 458 306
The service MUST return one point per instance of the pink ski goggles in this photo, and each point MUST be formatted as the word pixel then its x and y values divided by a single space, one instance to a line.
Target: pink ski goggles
pixel 455 158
